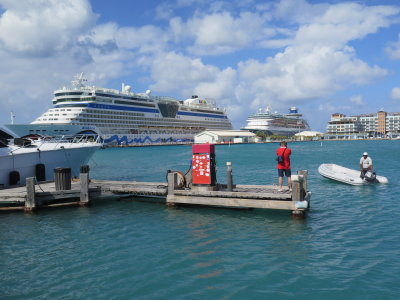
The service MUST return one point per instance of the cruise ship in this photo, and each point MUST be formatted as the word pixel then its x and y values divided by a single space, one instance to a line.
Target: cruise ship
pixel 277 124
pixel 124 117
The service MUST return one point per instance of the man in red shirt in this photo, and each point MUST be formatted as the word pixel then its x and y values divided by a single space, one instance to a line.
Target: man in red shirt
pixel 284 165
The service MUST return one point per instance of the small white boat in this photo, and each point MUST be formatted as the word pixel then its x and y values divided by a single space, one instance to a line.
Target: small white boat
pixel 346 175
pixel 22 158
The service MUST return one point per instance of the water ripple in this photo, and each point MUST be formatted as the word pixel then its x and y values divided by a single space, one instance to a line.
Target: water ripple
pixel 347 247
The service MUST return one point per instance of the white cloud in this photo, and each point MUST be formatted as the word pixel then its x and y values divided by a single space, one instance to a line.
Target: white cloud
pixel 43 27
pixel 297 75
pixel 345 22
pixel 40 51
pixel 357 99
pixel 393 49
pixel 50 40
pixel 221 87
pixel 173 72
pixel 220 33
pixel 110 36
pixel 328 107
pixel 395 93
pixel 298 11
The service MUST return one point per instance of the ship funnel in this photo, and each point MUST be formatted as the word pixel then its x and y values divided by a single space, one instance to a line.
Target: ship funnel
pixel 293 110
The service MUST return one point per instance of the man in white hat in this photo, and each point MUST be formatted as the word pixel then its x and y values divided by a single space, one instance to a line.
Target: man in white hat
pixel 365 164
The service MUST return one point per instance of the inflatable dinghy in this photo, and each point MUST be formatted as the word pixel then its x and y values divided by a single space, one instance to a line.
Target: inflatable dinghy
pixel 349 176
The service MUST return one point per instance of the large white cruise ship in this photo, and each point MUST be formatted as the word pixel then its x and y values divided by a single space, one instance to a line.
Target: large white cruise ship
pixel 123 117
pixel 277 124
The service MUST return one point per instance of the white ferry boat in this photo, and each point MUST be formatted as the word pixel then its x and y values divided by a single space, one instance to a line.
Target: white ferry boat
pixel 277 124
pixel 22 158
pixel 123 117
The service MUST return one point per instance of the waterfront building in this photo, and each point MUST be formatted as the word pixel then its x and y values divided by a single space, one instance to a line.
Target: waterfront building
pixel 224 136
pixel 375 125
pixel 308 135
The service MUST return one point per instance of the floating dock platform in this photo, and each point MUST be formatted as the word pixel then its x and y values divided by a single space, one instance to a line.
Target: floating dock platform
pixel 245 196
pixel 35 196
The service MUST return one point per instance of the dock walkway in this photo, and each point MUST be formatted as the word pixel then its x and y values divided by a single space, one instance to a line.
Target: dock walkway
pixel 33 196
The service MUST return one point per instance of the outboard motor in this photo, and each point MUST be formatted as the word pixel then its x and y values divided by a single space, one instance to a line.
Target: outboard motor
pixel 370 176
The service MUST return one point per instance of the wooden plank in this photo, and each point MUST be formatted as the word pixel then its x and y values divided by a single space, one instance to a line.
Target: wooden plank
pixel 13 200
pixel 13 197
pixel 63 195
pixel 252 186
pixel 10 208
pixel 232 202
pixel 247 195
pixel 74 203
pixel 139 183
pixel 137 189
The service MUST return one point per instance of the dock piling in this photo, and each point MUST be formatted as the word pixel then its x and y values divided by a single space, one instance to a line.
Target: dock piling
pixel 84 193
pixel 305 174
pixel 229 179
pixel 298 192
pixel 172 177
pixel 30 202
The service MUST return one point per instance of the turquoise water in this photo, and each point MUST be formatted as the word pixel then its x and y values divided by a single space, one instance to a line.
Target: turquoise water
pixel 347 247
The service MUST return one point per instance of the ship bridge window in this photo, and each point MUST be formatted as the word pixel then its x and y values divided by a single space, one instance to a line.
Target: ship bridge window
pixel 73 100
pixel 133 103
pixel 72 105
pixel 106 95
pixel 68 94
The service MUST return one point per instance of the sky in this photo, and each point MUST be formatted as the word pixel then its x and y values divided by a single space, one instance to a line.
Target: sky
pixel 323 57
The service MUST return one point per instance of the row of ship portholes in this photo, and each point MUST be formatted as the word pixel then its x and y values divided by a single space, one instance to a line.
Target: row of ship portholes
pixel 40 173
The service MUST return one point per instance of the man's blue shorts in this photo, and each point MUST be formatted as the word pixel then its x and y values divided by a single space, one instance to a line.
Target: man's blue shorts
pixel 287 172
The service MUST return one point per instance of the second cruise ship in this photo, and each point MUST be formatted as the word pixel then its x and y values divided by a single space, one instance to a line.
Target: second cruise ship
pixel 277 124
pixel 123 117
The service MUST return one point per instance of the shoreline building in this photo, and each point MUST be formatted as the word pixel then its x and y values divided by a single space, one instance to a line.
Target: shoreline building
pixel 224 137
pixel 375 125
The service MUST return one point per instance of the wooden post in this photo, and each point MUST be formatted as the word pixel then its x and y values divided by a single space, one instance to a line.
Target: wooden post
pixel 188 178
pixel 172 177
pixel 229 180
pixel 30 202
pixel 297 195
pixel 84 195
pixel 305 174
pixel 297 187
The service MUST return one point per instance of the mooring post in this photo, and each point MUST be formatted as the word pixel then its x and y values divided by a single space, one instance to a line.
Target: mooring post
pixel 297 187
pixel 229 180
pixel 297 195
pixel 305 174
pixel 30 202
pixel 84 194
pixel 172 178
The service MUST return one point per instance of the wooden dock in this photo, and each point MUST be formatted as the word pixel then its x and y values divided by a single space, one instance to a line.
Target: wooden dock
pixel 41 195
pixel 33 196
pixel 246 196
